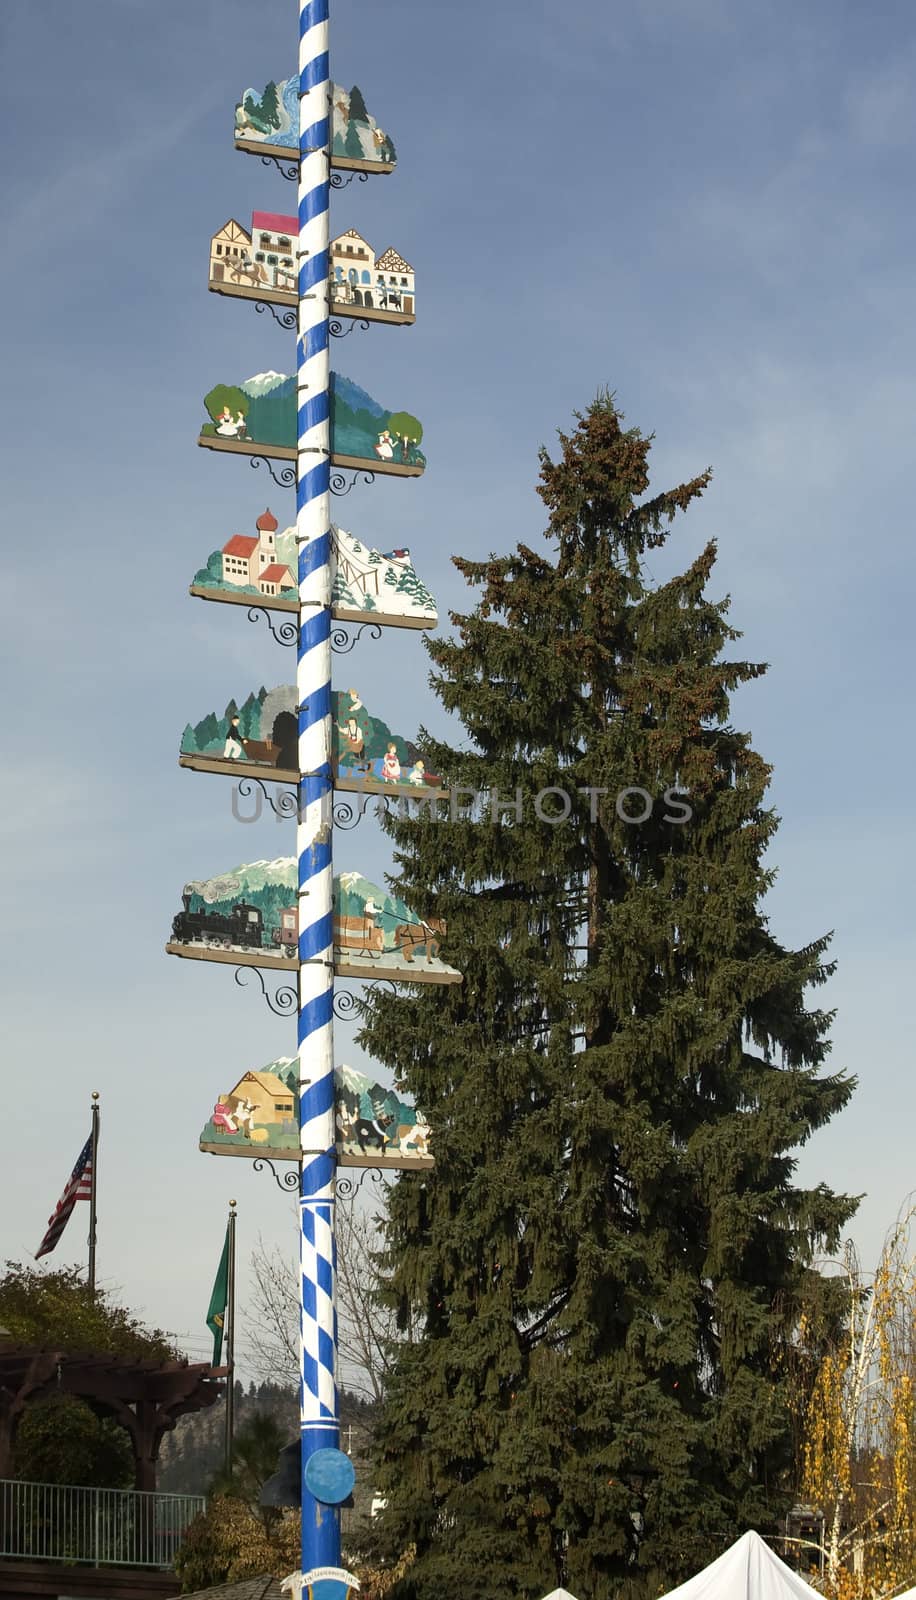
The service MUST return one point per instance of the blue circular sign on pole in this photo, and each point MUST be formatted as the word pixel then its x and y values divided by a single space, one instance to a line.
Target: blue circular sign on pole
pixel 329 1476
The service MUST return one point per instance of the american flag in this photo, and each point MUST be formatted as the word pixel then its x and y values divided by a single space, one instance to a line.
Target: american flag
pixel 79 1187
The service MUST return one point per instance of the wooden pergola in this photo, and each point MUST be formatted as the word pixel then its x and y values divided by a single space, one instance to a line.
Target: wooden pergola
pixel 145 1397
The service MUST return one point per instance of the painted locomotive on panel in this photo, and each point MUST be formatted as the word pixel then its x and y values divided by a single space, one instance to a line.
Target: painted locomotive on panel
pixel 249 916
pixel 242 928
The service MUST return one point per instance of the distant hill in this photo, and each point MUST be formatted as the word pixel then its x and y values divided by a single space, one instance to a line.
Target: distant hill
pixel 192 1454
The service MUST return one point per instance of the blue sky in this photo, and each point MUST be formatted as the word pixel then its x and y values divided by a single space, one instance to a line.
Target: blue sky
pixel 703 204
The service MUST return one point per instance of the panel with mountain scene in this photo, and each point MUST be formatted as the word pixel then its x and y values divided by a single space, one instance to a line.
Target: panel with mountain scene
pixel 258 1117
pixel 259 417
pixel 267 124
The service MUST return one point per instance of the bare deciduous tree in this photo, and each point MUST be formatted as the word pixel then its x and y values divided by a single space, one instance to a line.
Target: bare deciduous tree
pixel 366 1328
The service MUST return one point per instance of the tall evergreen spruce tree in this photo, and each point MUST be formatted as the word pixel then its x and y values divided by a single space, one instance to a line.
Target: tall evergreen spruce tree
pixel 606 1258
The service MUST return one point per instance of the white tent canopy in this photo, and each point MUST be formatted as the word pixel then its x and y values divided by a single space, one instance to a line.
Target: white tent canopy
pixel 749 1570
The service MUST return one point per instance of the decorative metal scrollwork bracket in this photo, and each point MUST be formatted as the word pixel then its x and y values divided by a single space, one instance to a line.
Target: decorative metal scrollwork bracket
pixel 348 816
pixel 286 633
pixel 348 1188
pixel 284 479
pixel 340 180
pixel 289 169
pixel 347 1005
pixel 286 318
pixel 340 486
pixel 338 331
pixel 283 804
pixel 342 642
pixel 289 1179
pixel 283 1002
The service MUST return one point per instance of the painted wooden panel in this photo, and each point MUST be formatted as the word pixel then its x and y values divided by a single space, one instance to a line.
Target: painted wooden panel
pixel 370 758
pixel 378 586
pixel 260 733
pixel 267 123
pixel 248 917
pixel 260 264
pixel 258 417
pixel 376 935
pixel 377 1127
pixel 369 585
pixel 258 1116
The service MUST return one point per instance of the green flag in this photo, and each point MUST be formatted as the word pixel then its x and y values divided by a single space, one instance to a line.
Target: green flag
pixel 216 1313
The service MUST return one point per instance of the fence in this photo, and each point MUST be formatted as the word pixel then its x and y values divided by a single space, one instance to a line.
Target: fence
pixel 101 1527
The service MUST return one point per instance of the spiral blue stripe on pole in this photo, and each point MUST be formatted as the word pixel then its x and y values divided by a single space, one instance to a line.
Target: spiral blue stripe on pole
pixel 315 410
pixel 315 341
pixel 314 555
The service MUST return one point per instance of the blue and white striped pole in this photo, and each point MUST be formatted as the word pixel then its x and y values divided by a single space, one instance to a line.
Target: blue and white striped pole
pixel 319 1420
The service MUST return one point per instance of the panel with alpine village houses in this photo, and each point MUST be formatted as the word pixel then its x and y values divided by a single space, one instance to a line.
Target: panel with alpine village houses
pixel 258 263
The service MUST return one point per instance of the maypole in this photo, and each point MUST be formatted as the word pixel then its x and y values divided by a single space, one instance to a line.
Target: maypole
pixel 319 1420
pixel 263 914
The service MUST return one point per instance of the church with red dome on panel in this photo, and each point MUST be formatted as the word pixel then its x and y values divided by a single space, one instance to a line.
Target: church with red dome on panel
pixel 250 560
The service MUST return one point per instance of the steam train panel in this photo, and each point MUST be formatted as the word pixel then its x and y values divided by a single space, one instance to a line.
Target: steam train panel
pixel 244 926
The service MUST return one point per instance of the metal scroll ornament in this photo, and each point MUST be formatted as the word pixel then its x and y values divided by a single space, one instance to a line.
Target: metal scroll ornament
pixel 284 479
pixel 286 1180
pixel 348 1188
pixel 284 1000
pixel 339 484
pixel 342 642
pixel 285 319
pixel 341 329
pixel 348 1006
pixel 347 816
pixel 283 804
pixel 285 633
pixel 289 169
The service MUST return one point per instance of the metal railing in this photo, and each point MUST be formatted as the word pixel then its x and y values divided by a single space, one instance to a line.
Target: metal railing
pixel 100 1527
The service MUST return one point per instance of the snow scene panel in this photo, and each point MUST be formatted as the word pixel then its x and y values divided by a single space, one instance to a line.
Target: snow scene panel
pixel 267 123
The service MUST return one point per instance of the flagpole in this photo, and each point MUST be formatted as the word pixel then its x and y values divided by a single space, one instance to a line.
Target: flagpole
pixel 92 1189
pixel 230 1342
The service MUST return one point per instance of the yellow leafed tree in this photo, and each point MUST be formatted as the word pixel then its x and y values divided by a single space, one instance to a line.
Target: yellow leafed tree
pixel 858 1449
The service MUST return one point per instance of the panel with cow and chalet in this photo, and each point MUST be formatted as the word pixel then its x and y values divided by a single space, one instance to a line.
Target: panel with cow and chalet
pixel 258 417
pixel 260 264
pixel 248 917
pixel 258 1117
pixel 267 124
pixel 260 734
pixel 369 585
